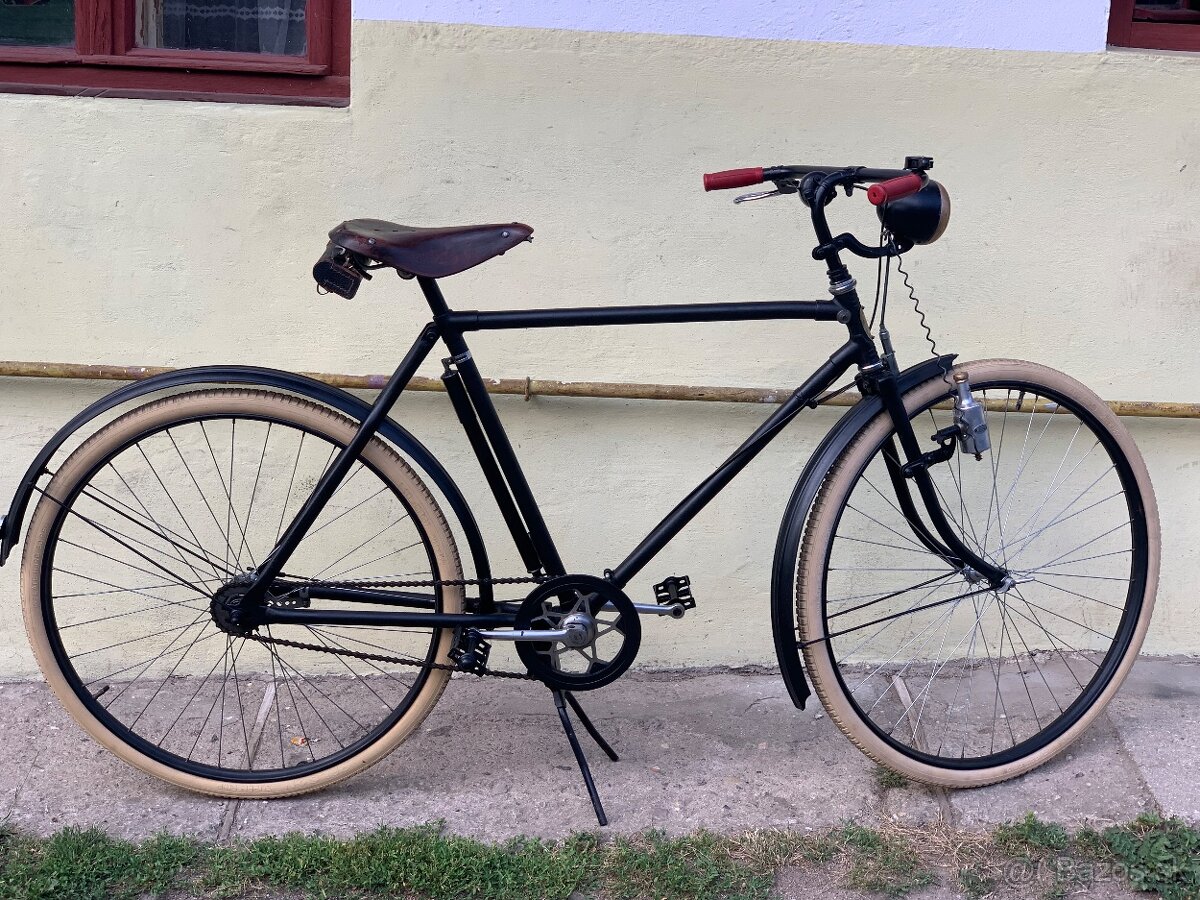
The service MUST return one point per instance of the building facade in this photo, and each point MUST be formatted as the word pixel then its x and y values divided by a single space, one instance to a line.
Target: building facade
pixel 160 231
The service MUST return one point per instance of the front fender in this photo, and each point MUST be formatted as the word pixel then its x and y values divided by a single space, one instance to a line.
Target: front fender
pixel 343 401
pixel 791 529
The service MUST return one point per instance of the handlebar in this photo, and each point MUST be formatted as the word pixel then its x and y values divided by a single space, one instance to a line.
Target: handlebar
pixel 817 185
pixel 735 178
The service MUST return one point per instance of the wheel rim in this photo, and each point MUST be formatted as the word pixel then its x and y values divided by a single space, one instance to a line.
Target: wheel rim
pixel 990 678
pixel 197 699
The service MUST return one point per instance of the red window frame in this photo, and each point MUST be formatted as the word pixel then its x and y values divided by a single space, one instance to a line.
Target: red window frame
pixel 1171 32
pixel 105 61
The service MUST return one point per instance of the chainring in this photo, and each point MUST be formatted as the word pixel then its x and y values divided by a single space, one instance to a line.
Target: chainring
pixel 585 601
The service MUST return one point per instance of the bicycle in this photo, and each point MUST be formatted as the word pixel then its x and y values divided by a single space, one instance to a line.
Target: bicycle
pixel 246 586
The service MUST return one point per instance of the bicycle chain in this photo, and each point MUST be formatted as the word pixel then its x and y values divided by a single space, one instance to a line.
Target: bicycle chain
pixel 397 660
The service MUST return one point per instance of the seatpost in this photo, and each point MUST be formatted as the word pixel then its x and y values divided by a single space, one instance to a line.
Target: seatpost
pixel 433 295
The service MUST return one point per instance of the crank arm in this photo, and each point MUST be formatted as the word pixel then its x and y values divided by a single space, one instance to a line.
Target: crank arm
pixel 674 610
pixel 528 634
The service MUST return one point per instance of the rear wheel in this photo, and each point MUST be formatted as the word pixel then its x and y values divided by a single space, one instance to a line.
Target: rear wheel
pixel 927 670
pixel 148 529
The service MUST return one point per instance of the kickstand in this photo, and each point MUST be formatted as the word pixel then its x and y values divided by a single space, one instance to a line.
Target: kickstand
pixel 589 727
pixel 561 699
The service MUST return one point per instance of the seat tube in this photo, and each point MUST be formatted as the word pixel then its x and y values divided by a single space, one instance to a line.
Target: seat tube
pixel 497 437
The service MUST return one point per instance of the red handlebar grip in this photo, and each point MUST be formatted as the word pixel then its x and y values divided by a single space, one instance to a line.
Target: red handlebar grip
pixel 732 178
pixel 894 188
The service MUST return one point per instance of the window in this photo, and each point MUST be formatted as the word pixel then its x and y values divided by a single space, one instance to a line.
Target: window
pixel 1155 24
pixel 263 51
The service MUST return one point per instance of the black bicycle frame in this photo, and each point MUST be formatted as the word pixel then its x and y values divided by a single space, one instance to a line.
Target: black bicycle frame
pixel 482 425
pixel 489 441
pixel 503 472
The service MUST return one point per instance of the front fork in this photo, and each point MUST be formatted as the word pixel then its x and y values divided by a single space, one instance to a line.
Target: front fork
pixel 942 540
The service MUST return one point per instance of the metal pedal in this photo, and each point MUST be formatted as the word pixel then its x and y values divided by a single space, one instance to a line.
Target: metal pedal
pixel 676 589
pixel 470 653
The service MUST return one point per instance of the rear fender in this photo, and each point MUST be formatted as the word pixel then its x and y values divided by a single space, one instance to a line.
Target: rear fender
pixel 253 376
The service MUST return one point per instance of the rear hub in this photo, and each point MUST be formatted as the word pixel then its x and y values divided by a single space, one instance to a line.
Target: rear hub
pixel 229 610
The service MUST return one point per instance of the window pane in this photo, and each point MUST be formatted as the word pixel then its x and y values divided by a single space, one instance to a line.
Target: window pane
pixel 243 26
pixel 1180 11
pixel 37 23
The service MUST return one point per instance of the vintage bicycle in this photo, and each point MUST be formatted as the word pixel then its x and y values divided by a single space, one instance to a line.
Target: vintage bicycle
pixel 243 581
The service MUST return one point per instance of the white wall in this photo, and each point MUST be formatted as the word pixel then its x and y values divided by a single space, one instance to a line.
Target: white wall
pixel 1066 25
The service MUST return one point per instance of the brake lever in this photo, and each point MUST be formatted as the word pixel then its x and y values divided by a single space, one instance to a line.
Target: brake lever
pixel 757 195
pixel 790 186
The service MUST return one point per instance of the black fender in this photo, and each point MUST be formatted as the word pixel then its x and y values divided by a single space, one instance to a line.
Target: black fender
pixel 302 385
pixel 791 529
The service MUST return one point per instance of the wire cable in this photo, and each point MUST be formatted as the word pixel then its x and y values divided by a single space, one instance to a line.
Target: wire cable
pixel 921 320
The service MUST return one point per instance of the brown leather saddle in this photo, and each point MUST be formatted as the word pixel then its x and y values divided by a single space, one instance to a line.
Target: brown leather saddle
pixel 430 252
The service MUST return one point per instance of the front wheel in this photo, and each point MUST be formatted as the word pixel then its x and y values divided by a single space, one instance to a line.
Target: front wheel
pixel 925 668
pixel 132 564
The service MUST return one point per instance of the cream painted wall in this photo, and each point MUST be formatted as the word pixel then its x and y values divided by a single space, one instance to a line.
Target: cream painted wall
pixel 182 233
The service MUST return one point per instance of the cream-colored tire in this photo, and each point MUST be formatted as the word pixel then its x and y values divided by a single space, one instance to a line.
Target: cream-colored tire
pixel 877 701
pixel 320 427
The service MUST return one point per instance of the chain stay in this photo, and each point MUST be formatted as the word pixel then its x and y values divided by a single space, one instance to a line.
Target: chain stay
pixel 396 660
pixel 378 657
pixel 432 582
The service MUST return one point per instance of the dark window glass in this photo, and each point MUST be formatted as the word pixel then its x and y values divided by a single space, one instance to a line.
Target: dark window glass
pixel 37 23
pixel 1181 11
pixel 242 26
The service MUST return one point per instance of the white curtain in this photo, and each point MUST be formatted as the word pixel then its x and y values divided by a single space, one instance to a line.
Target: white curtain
pixel 244 26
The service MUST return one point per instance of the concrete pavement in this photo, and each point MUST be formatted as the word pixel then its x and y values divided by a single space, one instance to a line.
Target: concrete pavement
pixel 720 750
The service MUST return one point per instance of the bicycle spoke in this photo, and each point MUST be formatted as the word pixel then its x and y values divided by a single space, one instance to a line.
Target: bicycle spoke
pixel 203 496
pixel 150 662
pixel 254 490
pixel 157 529
pixel 179 548
pixel 144 587
pixel 941 664
pixel 178 579
pixel 891 595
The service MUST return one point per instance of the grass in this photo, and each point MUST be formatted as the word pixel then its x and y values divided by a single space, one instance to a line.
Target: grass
pixel 1030 836
pixel 1161 855
pixel 886 779
pixel 694 866
pixel 975 884
pixel 401 862
pixel 884 864
pixel 84 865
pixel 1154 855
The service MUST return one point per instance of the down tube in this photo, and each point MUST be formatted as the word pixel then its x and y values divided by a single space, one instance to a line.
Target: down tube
pixel 691 505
